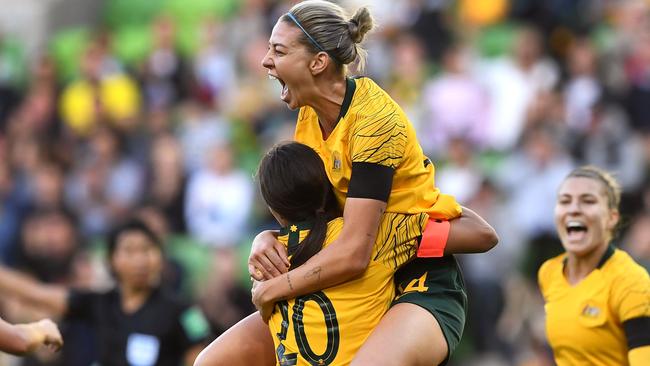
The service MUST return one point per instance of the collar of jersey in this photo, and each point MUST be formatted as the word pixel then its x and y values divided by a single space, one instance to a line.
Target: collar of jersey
pixel 609 252
pixel 292 231
pixel 350 88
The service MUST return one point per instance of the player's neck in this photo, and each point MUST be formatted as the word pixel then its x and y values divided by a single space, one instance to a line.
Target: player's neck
pixel 328 103
pixel 577 268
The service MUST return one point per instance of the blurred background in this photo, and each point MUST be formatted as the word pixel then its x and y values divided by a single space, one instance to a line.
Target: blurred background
pixel 161 109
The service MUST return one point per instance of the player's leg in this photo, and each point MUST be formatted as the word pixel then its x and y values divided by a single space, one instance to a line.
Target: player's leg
pixel 247 343
pixel 426 321
pixel 406 336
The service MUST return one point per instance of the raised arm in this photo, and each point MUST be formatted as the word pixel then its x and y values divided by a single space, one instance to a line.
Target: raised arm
pixel 345 258
pixel 470 233
pixel 52 298
pixel 21 339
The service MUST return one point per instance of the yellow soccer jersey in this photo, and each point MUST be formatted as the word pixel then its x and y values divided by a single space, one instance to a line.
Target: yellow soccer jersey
pixel 584 323
pixel 328 327
pixel 373 129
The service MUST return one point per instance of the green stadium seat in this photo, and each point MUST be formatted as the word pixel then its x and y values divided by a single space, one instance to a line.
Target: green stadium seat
pixel 496 40
pixel 66 47
pixel 132 44
pixel 120 13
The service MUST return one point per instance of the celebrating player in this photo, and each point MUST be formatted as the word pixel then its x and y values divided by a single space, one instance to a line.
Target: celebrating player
pixel 597 298
pixel 375 165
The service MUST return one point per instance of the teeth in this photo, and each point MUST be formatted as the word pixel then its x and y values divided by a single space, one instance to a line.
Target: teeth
pixel 271 77
pixel 575 225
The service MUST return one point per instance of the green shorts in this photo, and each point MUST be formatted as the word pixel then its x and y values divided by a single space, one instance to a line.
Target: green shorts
pixel 437 285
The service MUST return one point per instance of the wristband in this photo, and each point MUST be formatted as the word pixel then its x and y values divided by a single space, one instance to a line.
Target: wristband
pixel 434 239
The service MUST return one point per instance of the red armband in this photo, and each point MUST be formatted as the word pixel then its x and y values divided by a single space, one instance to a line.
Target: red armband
pixel 434 239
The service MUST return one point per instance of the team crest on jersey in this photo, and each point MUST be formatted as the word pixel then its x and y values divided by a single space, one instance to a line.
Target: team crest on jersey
pixel 591 311
pixel 336 161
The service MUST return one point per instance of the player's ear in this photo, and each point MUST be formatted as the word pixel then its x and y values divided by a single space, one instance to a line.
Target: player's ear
pixel 319 63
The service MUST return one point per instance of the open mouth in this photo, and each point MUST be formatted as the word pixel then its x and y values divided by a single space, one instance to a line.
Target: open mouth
pixel 285 89
pixel 576 230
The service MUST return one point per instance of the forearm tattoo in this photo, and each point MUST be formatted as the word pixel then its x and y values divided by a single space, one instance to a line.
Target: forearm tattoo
pixel 314 273
pixel 289 282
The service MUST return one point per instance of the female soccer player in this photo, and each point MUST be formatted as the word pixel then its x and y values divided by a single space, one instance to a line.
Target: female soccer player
pixel 138 322
pixel 21 339
pixel 597 298
pixel 375 165
pixel 295 186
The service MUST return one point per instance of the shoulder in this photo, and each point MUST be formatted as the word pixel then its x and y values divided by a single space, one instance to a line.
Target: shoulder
pixel 371 100
pixel 549 271
pixel 623 269
pixel 630 291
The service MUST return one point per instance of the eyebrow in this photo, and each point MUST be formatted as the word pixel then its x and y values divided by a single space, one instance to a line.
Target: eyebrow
pixel 277 45
pixel 582 195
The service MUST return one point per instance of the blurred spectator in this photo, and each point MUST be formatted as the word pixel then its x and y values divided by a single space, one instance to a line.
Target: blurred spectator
pixel 609 143
pixel 637 240
pixel 165 76
pixel 200 128
pixel 460 176
pixel 214 65
pixel 487 284
pixel 224 300
pixel 513 83
pixel 49 244
pixel 168 181
pixel 638 97
pixel 101 95
pixel 408 74
pixel 456 104
pixel 218 201
pixel 582 90
pixel 530 176
pixel 106 183
pixel 15 204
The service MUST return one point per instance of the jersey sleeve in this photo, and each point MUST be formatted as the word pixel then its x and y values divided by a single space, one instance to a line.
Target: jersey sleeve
pixel 377 147
pixel 639 356
pixel 193 326
pixel 379 139
pixel 445 208
pixel 631 302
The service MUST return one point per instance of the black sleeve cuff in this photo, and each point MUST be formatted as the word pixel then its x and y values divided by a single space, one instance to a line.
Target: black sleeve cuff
pixel 637 332
pixel 371 180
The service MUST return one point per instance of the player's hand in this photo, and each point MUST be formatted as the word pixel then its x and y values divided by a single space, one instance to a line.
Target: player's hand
pixel 53 338
pixel 265 308
pixel 268 258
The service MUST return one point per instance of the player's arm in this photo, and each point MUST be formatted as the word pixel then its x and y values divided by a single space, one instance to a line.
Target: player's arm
pixel 21 339
pixel 349 255
pixel 470 233
pixel 52 298
pixel 343 259
pixel 631 298
pixel 637 333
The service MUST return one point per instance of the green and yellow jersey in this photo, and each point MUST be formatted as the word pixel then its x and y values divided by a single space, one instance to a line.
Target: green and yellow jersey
pixel 374 142
pixel 604 319
pixel 328 327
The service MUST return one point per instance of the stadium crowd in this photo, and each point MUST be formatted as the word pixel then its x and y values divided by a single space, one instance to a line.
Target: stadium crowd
pixel 163 110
